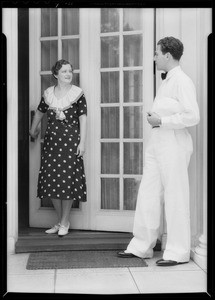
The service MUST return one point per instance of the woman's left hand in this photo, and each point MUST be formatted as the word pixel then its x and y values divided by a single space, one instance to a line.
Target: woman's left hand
pixel 80 150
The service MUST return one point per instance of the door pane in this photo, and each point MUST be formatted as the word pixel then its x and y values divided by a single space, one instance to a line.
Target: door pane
pixel 70 51
pixel 109 193
pixel 110 158
pixel 133 86
pixel 109 87
pixel 109 19
pixel 76 79
pixel 47 81
pixel 110 52
pixel 70 21
pixel 132 19
pixel 131 187
pixel 133 122
pixel 133 158
pixel 49 54
pixel 110 122
pixel 133 50
pixel 49 22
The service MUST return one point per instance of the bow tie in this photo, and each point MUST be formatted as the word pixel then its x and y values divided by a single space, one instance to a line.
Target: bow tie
pixel 163 75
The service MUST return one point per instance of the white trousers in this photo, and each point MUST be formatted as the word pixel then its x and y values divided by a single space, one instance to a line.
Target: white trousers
pixel 165 178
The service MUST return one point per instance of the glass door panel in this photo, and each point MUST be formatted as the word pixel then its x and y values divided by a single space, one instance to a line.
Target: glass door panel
pixel 133 86
pixel 70 21
pixel 49 54
pixel 133 158
pixel 132 19
pixel 110 158
pixel 49 22
pixel 110 52
pixel 47 81
pixel 110 193
pixel 76 79
pixel 133 50
pixel 110 122
pixel 110 87
pixel 131 186
pixel 109 20
pixel 133 122
pixel 70 51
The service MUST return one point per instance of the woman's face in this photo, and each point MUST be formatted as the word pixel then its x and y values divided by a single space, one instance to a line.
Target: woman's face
pixel 65 74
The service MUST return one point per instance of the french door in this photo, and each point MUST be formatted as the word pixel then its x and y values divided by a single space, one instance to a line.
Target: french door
pixel 111 50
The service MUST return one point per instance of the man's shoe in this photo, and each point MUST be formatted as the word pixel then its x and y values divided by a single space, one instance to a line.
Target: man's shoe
pixel 54 229
pixel 125 255
pixel 63 230
pixel 166 263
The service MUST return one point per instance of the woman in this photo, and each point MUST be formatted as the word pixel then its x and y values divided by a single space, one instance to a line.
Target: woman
pixel 61 175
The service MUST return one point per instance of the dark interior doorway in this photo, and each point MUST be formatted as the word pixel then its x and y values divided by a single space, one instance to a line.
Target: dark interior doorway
pixel 23 118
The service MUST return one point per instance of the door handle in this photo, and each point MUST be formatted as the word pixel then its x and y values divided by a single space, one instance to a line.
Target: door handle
pixel 32 117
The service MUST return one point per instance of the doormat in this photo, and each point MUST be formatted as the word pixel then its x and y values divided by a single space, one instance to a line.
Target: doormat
pixel 81 259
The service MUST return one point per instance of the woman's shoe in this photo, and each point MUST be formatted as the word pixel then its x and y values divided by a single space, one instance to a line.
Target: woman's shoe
pixel 54 229
pixel 63 230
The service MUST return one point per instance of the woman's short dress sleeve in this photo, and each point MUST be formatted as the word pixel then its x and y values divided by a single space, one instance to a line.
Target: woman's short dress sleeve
pixel 82 106
pixel 42 107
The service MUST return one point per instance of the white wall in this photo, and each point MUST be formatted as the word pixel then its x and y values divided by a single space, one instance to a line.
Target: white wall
pixel 192 26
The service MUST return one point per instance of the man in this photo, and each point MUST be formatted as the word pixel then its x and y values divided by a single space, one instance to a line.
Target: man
pixel 167 156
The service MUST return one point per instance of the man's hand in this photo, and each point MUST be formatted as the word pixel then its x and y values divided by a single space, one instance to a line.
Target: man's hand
pixel 153 119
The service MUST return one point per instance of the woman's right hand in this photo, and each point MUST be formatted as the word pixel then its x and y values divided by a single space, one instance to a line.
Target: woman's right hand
pixel 34 134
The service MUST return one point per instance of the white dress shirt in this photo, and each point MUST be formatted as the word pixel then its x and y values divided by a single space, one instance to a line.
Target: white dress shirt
pixel 175 101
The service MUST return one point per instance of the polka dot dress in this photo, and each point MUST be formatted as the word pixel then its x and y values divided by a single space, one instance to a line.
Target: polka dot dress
pixel 61 174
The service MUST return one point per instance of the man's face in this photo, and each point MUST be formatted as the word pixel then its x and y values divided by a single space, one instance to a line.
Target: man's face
pixel 160 59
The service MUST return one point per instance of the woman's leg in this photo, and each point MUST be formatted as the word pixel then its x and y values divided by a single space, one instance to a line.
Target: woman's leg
pixel 58 207
pixel 66 208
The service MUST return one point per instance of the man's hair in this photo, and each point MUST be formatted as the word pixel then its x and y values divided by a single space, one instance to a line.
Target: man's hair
pixel 58 65
pixel 172 45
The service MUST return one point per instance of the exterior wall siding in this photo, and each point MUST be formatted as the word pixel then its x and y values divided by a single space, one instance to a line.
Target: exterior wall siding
pixel 192 26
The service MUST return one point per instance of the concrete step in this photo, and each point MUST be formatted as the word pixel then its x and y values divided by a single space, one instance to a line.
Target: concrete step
pixel 36 240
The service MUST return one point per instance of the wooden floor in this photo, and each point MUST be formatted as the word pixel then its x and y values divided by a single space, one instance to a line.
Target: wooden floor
pixel 35 239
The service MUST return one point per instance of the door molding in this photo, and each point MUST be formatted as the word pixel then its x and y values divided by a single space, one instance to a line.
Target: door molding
pixel 10 29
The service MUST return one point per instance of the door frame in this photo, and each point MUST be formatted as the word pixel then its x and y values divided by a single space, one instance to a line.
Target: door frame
pixel 23 124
